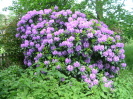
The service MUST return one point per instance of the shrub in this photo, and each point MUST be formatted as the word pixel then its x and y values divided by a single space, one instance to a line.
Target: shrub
pixel 84 49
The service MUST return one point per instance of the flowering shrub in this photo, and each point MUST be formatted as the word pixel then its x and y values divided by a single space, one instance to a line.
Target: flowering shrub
pixel 73 45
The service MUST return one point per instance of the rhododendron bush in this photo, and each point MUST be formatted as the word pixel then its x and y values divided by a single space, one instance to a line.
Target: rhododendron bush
pixel 72 44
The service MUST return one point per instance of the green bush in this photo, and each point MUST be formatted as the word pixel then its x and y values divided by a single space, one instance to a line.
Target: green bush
pixel 83 48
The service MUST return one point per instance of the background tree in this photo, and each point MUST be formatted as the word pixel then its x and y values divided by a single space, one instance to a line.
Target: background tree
pixel 2 21
pixel 112 13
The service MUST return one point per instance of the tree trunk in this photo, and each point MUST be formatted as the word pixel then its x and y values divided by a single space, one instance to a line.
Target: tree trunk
pixel 99 9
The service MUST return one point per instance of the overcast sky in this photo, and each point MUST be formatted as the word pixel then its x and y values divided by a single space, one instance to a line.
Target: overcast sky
pixel 6 3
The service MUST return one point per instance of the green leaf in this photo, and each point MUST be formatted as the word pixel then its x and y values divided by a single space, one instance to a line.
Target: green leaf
pixel 103 95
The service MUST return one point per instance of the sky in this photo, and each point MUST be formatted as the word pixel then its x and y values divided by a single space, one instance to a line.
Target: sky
pixel 129 5
pixel 6 3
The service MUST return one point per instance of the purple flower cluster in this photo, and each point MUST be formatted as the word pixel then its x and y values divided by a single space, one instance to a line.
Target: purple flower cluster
pixel 83 46
pixel 98 48
pixel 91 81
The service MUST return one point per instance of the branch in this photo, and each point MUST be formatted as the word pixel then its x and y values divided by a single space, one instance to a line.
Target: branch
pixel 93 3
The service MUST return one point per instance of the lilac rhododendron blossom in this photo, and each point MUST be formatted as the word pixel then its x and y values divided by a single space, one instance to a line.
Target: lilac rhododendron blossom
pixel 98 48
pixel 31 43
pixel 58 67
pixel 108 84
pixel 87 60
pixel 68 41
pixel 46 62
pixel 92 76
pixel 70 51
pixel 78 48
pixel 95 82
pixel 29 64
pixel 123 64
pixel 71 38
pixel 121 51
pixel 86 45
pixel 67 60
pixel 54 60
pixel 105 54
pixel 62 79
pixel 90 35
pixel 104 79
pixel 76 64
pixel 120 45
pixel 82 69
pixel 87 80
pixel 39 55
pixel 94 71
pixel 90 66
pixel 70 68
pixel 83 76
pixel 116 58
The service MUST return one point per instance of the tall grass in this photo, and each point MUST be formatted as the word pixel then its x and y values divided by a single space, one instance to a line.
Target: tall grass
pixel 129 54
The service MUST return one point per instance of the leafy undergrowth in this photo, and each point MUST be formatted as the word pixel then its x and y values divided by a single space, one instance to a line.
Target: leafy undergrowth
pixel 17 83
pixel 124 85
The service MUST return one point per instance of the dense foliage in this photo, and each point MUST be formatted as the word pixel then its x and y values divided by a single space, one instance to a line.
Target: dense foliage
pixel 77 47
